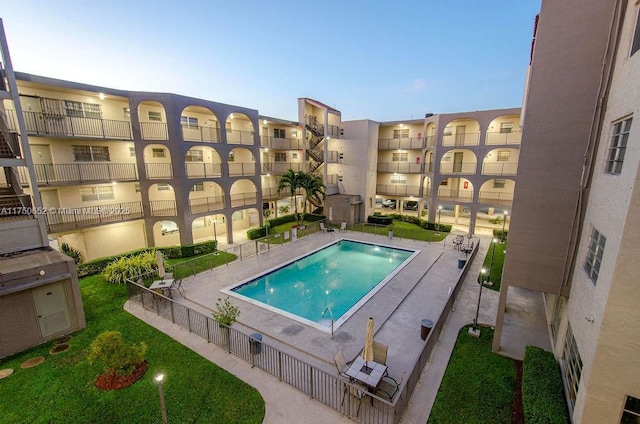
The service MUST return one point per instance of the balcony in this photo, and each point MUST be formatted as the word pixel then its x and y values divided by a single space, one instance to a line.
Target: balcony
pixel 462 139
pixel 203 170
pixel 499 168
pixel 67 219
pixel 397 190
pixel 496 198
pixel 78 173
pixel 272 193
pixel 163 208
pixel 158 171
pixel 400 167
pixel 9 145
pixel 38 123
pixel 243 199
pixel 333 131
pixel 279 168
pixel 459 168
pixel 240 137
pixel 497 138
pixel 280 143
pixel 405 143
pixel 200 133
pixel 206 204
pixel 455 195
pixel 239 169
pixel 15 206
pixel 154 131
pixel 430 140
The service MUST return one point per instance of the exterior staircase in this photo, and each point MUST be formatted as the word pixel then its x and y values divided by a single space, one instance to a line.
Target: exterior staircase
pixel 315 151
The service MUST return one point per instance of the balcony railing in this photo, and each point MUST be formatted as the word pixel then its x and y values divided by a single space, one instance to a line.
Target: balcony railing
pixel 332 179
pixel 158 170
pixel 206 204
pixel 239 169
pixel 280 143
pixel 430 141
pixel 240 137
pixel 10 145
pixel 71 173
pixel 200 133
pixel 333 131
pixel 498 138
pixel 280 168
pixel 455 195
pixel 65 219
pixel 405 143
pixel 16 206
pixel 272 193
pixel 400 167
pixel 495 197
pixel 397 189
pixel 72 126
pixel 500 168
pixel 462 139
pixel 465 168
pixel 426 191
pixel 203 170
pixel 154 131
pixel 163 208
pixel 243 199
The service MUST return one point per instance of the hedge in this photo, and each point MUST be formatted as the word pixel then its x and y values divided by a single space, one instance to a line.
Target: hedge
pixel 542 392
pixel 97 265
pixel 498 234
pixel 257 233
pixel 380 219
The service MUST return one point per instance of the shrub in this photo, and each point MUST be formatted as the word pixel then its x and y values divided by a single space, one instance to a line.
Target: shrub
pixel 71 252
pixel 542 393
pixel 114 355
pixel 225 312
pixel 498 234
pixel 379 219
pixel 281 220
pixel 125 268
pixel 256 233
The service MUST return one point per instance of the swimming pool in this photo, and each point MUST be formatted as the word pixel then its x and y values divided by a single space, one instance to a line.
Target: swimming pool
pixel 339 277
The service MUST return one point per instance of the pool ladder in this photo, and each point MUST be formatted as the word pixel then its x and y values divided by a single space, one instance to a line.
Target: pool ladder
pixel 328 309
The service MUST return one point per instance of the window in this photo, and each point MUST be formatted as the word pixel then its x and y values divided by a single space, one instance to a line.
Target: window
pixel 132 151
pixel 294 156
pixel 194 155
pixel 499 183
pixel 294 133
pixel 444 183
pixel 89 194
pixel 90 154
pixel 594 255
pixel 189 122
pixel 137 187
pixel 503 156
pixel 164 187
pixel 398 179
pixel 506 127
pixel 158 153
pixel 198 187
pixel 280 157
pixel 447 131
pixel 402 133
pixel 635 46
pixel 619 139
pixel 278 133
pixel 400 157
pixel 631 413
pixel 556 317
pixel 571 366
pixel 82 110
pixel 154 116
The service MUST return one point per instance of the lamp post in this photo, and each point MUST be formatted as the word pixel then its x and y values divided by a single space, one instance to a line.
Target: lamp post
pixel 504 221
pixel 163 408
pixel 439 212
pixel 215 233
pixel 481 281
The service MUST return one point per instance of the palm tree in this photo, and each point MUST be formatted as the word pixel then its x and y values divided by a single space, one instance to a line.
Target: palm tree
pixel 292 181
pixel 314 190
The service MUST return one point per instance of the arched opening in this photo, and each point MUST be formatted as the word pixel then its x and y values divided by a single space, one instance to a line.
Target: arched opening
pixel 239 129
pixel 241 162
pixel 206 196
pixel 210 227
pixel 157 162
pixel 203 162
pixel 166 233
pixel 458 162
pixel 153 120
pixel 241 221
pixel 461 132
pixel 428 161
pixel 497 192
pixel 430 135
pixel 243 192
pixel 455 190
pixel 504 130
pixel 492 218
pixel 162 200
pixel 502 161
pixel 199 124
pixel 426 186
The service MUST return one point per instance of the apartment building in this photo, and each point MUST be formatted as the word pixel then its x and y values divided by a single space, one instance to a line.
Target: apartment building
pixel 39 292
pixel 573 237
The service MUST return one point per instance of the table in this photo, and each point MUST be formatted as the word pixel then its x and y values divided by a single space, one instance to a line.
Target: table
pixel 161 286
pixel 370 376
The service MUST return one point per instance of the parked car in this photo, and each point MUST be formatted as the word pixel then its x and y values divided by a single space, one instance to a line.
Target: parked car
pixel 411 205
pixel 389 203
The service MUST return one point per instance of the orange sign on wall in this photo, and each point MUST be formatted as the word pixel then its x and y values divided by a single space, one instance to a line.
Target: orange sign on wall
pixel 466 184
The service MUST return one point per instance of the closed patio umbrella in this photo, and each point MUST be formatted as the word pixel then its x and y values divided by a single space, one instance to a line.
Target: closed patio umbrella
pixel 160 261
pixel 367 351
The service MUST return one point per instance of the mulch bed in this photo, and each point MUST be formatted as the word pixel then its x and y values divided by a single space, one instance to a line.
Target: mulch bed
pixel 517 416
pixel 62 340
pixel 115 382
pixel 59 348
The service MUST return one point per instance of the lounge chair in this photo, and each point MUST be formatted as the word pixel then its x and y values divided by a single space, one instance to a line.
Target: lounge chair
pixel 341 364
pixel 389 386
pixel 176 287
pixel 343 227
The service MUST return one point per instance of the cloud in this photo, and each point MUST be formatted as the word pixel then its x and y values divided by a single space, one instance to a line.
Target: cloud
pixel 419 84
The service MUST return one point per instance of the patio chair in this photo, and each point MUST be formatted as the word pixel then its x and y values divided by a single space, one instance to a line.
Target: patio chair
pixel 389 386
pixel 343 227
pixel 323 228
pixel 341 364
pixel 356 390
pixel 176 287
pixel 380 352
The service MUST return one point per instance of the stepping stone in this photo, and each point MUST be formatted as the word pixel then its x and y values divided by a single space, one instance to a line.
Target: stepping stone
pixel 33 362
pixel 6 373
pixel 59 348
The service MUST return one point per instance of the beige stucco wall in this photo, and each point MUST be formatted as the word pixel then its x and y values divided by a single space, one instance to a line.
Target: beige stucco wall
pixel 106 240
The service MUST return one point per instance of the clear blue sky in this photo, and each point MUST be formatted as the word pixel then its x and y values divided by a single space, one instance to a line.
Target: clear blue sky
pixel 379 60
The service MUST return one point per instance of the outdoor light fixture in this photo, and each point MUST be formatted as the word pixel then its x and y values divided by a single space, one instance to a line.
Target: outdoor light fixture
pixel 439 212
pixel 504 221
pixel 163 407
pixel 475 321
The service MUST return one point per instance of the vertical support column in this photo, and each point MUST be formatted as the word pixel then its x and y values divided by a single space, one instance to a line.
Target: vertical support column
pixel 502 307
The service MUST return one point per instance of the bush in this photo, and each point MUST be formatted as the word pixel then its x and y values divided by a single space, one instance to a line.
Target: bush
pixel 542 393
pixel 114 355
pixel 379 219
pixel 225 312
pixel 118 271
pixel 281 220
pixel 256 233
pixel 498 234
pixel 71 252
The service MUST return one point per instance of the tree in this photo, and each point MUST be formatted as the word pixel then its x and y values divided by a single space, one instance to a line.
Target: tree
pixel 292 181
pixel 314 189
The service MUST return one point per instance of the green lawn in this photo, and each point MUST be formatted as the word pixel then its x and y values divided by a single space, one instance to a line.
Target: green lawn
pixel 184 267
pixel 61 389
pixel 477 386
pixel 498 262
pixel 401 229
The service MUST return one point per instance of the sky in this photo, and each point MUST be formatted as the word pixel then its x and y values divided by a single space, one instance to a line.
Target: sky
pixel 378 60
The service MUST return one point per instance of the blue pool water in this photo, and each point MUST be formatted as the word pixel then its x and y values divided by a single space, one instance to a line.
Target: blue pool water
pixel 339 276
